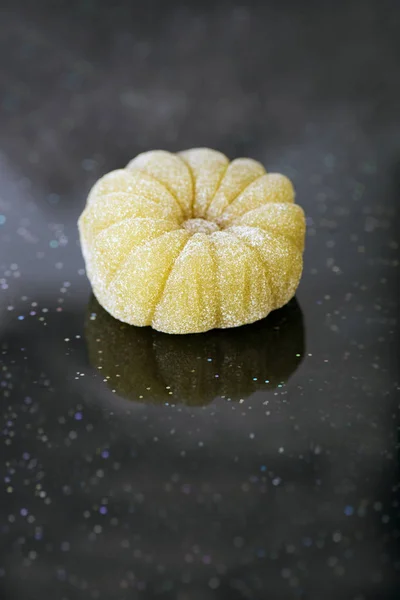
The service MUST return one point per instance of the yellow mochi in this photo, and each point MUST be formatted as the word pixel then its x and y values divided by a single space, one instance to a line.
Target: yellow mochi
pixel 190 242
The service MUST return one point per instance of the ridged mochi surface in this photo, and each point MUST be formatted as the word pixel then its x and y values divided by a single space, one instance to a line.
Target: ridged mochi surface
pixel 190 242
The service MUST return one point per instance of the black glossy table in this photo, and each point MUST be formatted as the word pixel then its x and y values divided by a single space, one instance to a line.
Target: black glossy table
pixel 247 464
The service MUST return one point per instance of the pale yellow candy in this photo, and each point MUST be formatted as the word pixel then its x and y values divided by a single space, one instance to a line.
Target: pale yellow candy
pixel 190 242
pixel 208 168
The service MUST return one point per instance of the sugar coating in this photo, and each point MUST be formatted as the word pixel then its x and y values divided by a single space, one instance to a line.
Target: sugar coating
pixel 189 242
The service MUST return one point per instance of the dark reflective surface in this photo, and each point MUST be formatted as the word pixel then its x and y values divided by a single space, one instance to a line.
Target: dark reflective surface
pixel 290 489
pixel 144 365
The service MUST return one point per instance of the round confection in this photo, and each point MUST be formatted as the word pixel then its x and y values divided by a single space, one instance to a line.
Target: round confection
pixel 190 242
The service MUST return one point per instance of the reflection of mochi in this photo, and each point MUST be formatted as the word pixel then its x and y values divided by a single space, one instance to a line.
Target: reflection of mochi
pixel 145 365
pixel 190 242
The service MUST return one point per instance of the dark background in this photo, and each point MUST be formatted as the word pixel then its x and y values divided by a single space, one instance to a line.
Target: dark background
pixel 286 490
